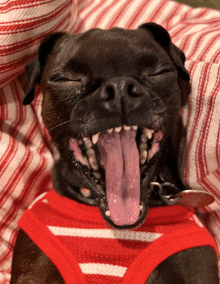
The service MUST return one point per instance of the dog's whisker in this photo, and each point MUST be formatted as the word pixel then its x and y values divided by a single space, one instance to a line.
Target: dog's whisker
pixel 58 125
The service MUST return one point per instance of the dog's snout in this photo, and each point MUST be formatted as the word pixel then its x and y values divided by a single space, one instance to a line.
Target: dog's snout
pixel 119 88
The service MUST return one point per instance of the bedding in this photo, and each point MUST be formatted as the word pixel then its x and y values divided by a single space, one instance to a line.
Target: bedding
pixel 26 157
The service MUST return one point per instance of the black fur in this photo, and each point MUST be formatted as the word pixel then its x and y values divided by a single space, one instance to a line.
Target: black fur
pixel 99 80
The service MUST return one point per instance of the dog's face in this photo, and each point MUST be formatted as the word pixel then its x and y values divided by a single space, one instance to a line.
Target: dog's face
pixel 111 104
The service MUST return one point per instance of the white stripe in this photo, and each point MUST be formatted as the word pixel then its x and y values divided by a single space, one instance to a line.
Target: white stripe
pixel 105 234
pixel 103 269
pixel 198 221
pixel 36 199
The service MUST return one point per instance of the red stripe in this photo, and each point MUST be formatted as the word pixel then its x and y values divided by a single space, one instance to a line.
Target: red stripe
pixel 23 61
pixel 209 45
pixel 116 16
pixel 181 30
pixel 16 63
pixel 79 28
pixel 141 9
pixel 199 42
pixel 158 11
pixel 217 152
pixel 8 79
pixel 12 133
pixel 192 69
pixel 170 17
pixel 201 94
pixel 210 187
pixel 202 140
pixel 18 5
pixel 35 22
pixel 26 191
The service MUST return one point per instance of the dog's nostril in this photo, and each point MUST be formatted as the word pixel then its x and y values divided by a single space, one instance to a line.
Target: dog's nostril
pixel 109 93
pixel 133 90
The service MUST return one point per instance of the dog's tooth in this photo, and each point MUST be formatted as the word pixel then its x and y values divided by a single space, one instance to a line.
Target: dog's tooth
pixel 90 153
pixel 88 144
pixel 143 157
pixel 134 127
pixel 97 175
pixel 143 138
pixel 93 163
pixel 110 130
pixel 143 146
pixel 141 207
pixel 148 132
pixel 126 128
pixel 118 129
pixel 107 213
pixel 95 138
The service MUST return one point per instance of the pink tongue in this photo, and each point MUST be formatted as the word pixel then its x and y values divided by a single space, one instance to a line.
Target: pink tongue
pixel 120 157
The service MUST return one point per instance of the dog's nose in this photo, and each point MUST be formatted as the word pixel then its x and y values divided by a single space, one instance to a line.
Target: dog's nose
pixel 119 88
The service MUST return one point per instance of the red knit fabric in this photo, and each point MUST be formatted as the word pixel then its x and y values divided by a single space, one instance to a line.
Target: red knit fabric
pixel 86 250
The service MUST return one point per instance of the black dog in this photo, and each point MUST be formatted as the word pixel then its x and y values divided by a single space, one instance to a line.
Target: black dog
pixel 111 102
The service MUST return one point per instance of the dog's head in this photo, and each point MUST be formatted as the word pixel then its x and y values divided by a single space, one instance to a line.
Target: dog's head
pixel 111 102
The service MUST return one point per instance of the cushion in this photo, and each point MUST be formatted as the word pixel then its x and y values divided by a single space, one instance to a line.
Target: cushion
pixel 25 154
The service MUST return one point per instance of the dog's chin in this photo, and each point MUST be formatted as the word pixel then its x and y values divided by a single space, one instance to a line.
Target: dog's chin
pixel 118 161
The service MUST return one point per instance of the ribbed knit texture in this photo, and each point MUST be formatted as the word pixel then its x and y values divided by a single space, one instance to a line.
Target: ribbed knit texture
pixel 86 250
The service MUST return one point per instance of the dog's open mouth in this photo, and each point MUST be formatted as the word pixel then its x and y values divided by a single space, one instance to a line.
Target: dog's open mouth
pixel 117 158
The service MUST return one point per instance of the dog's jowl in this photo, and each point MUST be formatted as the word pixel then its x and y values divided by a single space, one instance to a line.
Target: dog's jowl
pixel 111 104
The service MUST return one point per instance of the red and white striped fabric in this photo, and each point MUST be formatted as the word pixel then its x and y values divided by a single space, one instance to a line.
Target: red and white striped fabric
pixel 25 154
pixel 73 236
pixel 25 157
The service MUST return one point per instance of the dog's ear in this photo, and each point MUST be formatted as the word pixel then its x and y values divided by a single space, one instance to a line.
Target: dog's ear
pixel 162 37
pixel 34 70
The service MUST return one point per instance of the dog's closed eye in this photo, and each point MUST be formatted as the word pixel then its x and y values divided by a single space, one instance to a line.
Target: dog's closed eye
pixel 161 72
pixel 61 78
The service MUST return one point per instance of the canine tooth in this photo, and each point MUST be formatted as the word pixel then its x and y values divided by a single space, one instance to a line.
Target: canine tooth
pixel 143 157
pixel 126 128
pixel 95 138
pixel 141 207
pixel 110 130
pixel 143 146
pixel 118 129
pixel 134 127
pixel 107 213
pixel 148 132
pixel 93 163
pixel 88 144
pixel 90 152
pixel 143 138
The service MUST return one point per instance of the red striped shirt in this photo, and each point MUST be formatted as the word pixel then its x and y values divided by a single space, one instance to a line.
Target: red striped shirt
pixel 86 250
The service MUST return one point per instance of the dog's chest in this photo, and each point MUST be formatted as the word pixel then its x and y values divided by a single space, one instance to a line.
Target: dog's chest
pixel 81 244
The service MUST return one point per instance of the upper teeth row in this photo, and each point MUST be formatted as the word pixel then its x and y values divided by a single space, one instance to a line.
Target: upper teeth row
pixel 148 132
pixel 125 127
